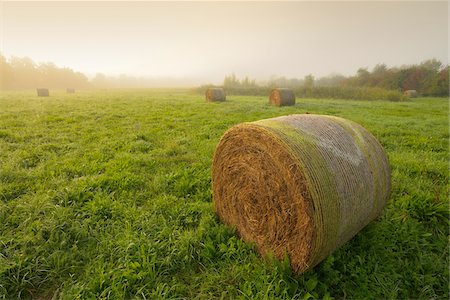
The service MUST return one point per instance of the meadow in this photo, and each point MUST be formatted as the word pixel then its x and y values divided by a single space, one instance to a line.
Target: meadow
pixel 107 195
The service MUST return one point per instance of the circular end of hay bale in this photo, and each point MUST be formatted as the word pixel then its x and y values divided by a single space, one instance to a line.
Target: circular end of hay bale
pixel 254 191
pixel 300 185
pixel 42 92
pixel 215 94
pixel 411 93
pixel 282 97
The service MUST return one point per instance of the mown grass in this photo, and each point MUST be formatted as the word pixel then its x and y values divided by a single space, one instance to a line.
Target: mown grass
pixel 108 195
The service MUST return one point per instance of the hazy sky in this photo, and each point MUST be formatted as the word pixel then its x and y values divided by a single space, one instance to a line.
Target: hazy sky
pixel 207 40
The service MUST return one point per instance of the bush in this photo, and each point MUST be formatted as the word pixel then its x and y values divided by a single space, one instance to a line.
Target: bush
pixel 353 93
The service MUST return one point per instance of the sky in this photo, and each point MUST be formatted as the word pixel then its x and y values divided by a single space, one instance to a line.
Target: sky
pixel 204 41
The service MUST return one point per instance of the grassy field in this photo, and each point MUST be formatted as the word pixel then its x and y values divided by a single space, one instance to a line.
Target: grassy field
pixel 108 195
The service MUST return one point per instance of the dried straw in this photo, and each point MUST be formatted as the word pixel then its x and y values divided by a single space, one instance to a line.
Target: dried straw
pixel 300 185
pixel 41 92
pixel 215 94
pixel 70 91
pixel 282 97
pixel 410 93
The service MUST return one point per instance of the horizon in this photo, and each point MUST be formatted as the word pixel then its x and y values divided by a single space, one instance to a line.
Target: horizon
pixel 123 81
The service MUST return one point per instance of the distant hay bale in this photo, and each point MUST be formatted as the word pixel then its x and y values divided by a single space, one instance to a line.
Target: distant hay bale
pixel 411 93
pixel 215 94
pixel 70 91
pixel 301 185
pixel 42 92
pixel 282 97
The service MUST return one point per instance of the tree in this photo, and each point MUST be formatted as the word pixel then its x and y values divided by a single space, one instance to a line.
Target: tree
pixel 440 84
pixel 99 80
pixel 6 74
pixel 231 81
pixel 431 65
pixel 363 76
pixel 308 81
pixel 379 69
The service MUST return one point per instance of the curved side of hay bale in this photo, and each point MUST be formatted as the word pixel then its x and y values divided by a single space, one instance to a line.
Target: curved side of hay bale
pixel 215 94
pixel 299 184
pixel 411 93
pixel 70 91
pixel 42 92
pixel 282 97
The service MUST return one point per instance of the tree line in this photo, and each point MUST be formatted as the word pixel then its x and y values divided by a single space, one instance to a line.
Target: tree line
pixel 24 73
pixel 429 78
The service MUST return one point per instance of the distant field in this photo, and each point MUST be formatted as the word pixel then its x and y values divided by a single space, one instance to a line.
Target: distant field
pixel 108 195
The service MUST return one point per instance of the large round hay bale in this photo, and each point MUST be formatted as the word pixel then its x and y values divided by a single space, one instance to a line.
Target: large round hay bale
pixel 70 91
pixel 282 97
pixel 411 93
pixel 42 92
pixel 215 94
pixel 300 185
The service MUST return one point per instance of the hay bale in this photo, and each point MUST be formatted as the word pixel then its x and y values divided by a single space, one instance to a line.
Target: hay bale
pixel 410 93
pixel 282 97
pixel 215 94
pixel 41 92
pixel 299 184
pixel 70 91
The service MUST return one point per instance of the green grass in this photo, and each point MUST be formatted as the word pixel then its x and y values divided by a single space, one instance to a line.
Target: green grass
pixel 108 195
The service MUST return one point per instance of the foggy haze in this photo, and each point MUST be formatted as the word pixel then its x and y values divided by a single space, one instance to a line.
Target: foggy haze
pixel 201 42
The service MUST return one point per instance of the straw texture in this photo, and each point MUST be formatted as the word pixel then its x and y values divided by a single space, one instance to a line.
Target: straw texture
pixel 300 185
pixel 411 93
pixel 42 92
pixel 215 94
pixel 282 97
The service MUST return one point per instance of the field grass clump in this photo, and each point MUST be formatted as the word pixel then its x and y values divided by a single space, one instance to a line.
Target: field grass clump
pixel 108 195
